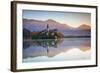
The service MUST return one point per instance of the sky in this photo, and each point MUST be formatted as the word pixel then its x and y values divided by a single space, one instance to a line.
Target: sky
pixel 73 19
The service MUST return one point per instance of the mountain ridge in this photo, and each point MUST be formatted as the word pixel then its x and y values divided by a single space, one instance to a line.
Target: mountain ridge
pixel 39 25
pixel 49 21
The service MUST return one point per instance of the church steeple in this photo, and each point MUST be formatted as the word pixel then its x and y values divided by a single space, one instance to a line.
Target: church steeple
pixel 47 27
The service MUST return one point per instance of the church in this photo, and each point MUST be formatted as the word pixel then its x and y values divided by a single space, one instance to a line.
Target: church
pixel 49 33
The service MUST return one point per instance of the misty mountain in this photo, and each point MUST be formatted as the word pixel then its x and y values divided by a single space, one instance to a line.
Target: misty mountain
pixel 38 25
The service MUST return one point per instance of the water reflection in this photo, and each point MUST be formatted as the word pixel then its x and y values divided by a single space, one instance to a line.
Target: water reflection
pixel 43 43
pixel 51 48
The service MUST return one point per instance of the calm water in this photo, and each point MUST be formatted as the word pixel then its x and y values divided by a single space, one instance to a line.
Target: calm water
pixel 56 50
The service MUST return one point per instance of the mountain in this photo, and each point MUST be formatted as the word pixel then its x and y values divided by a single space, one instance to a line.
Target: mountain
pixel 84 27
pixel 38 25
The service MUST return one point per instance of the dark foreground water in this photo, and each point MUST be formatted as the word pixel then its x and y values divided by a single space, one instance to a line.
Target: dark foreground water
pixel 56 50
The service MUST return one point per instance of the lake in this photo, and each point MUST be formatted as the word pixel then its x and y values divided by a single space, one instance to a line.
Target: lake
pixel 56 50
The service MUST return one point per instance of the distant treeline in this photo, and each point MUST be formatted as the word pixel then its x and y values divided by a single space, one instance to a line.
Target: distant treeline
pixel 77 36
